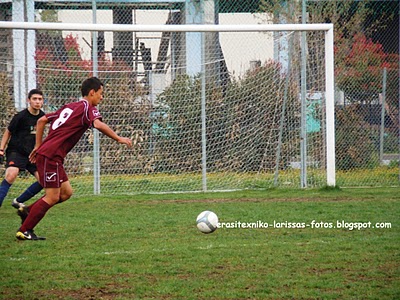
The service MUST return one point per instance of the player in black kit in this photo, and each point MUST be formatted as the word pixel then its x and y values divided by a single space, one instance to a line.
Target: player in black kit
pixel 20 138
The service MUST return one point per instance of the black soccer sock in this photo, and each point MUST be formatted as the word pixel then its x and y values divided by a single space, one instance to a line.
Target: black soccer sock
pixel 4 187
pixel 30 192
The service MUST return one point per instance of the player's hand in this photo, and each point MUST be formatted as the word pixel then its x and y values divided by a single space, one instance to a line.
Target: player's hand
pixel 126 141
pixel 32 156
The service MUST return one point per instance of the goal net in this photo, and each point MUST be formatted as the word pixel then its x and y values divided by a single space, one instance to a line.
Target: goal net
pixel 208 107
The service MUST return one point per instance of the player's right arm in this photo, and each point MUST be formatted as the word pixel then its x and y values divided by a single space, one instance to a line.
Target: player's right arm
pixel 105 129
pixel 40 126
pixel 12 127
pixel 4 140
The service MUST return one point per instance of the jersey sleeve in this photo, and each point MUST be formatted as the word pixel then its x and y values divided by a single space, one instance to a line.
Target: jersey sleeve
pixel 94 114
pixel 13 126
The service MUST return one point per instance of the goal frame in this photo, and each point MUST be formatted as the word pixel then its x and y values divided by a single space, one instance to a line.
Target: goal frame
pixel 329 59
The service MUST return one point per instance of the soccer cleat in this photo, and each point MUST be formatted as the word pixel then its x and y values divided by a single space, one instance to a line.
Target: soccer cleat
pixel 17 204
pixel 28 235
pixel 23 212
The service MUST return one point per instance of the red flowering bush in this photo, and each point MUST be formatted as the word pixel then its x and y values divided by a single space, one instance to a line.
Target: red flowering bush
pixel 60 68
pixel 359 69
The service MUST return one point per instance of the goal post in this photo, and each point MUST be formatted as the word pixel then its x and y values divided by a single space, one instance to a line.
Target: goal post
pixel 206 121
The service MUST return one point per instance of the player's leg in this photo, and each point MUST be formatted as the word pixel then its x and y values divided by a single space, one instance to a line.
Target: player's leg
pixel 57 187
pixel 11 175
pixel 54 196
pixel 30 192
pixel 36 213
pixel 66 191
pixel 39 209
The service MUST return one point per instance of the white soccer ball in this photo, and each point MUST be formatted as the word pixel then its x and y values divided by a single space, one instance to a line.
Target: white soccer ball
pixel 207 221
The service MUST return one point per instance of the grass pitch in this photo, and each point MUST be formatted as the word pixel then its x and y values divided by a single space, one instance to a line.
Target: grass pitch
pixel 148 247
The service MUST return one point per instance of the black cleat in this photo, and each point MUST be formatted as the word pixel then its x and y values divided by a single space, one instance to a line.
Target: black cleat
pixel 28 235
pixel 16 204
pixel 23 212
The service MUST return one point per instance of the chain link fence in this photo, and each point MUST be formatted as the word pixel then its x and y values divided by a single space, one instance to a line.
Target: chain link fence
pixel 136 65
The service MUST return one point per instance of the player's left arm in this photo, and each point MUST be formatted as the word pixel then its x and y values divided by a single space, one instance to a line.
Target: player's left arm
pixel 40 126
pixel 105 129
pixel 4 141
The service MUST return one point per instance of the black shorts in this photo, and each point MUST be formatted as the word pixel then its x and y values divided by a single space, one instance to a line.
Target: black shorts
pixel 20 161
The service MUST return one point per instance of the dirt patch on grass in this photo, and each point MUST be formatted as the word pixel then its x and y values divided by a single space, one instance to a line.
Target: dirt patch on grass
pixel 106 293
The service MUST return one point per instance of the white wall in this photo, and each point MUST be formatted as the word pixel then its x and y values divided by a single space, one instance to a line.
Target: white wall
pixel 242 48
pixel 238 48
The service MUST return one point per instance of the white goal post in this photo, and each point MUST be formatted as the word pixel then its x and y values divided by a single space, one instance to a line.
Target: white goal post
pixel 329 123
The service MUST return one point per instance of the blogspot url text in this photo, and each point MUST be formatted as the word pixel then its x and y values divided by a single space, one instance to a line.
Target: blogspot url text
pixel 314 224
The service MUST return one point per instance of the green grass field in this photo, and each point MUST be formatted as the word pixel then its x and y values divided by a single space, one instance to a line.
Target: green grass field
pixel 148 247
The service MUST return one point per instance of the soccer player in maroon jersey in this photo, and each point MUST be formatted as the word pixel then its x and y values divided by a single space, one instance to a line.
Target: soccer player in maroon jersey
pixel 68 124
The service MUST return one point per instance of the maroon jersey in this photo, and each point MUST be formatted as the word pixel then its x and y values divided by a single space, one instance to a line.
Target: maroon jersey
pixel 68 124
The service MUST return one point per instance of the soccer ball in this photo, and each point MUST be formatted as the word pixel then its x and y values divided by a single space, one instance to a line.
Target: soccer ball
pixel 207 221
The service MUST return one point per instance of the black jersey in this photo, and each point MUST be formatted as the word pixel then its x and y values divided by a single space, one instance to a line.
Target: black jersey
pixel 23 132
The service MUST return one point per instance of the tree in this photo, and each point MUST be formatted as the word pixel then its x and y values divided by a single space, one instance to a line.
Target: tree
pixel 359 71
pixel 60 68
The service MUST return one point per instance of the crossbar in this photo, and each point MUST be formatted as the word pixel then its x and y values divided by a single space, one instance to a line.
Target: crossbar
pixel 163 28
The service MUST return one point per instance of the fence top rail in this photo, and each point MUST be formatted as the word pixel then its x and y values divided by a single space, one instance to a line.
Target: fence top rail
pixel 162 28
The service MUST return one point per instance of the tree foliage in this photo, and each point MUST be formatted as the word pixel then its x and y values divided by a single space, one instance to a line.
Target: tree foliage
pixel 359 65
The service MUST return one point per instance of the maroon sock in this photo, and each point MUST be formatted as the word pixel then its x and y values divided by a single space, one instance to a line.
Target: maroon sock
pixel 36 212
pixel 30 206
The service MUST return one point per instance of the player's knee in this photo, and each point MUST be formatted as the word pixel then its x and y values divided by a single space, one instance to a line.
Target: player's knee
pixel 65 195
pixel 11 175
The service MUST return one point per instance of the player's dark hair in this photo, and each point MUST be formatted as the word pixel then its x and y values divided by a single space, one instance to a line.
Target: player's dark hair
pixel 92 83
pixel 34 91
